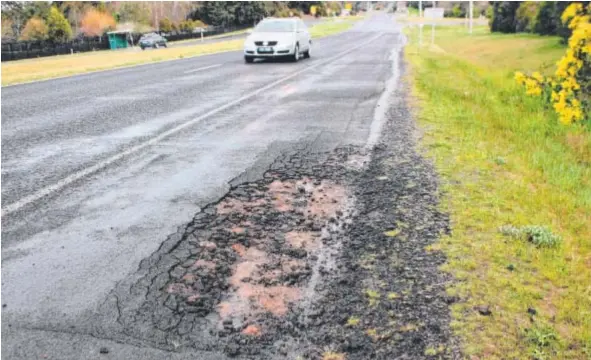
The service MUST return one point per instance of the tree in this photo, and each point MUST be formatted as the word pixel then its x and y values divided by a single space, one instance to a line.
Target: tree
pixel 526 16
pixel 134 12
pixel 34 30
pixel 226 13
pixel 165 25
pixel 547 20
pixel 215 13
pixel 7 28
pixel 13 15
pixel 95 22
pixel 74 11
pixel 249 12
pixel 503 19
pixel 19 12
pixel 303 6
pixel 58 28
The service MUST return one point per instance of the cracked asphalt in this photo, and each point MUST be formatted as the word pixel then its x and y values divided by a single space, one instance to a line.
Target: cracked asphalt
pixel 273 210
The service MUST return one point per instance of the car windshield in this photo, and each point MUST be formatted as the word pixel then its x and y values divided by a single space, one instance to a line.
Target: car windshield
pixel 275 26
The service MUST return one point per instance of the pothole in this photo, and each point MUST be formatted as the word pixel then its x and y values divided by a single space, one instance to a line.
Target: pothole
pixel 247 265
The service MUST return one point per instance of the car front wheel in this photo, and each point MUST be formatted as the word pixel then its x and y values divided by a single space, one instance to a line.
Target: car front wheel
pixel 296 53
pixel 248 59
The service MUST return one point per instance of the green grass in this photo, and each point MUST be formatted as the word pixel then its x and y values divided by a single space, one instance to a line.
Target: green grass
pixel 14 72
pixel 505 160
pixel 413 11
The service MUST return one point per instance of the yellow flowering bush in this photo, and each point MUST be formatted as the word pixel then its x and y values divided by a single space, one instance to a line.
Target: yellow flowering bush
pixel 569 90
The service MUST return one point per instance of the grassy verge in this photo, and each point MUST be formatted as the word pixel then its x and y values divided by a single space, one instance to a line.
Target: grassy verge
pixel 444 21
pixel 505 160
pixel 14 72
pixel 332 27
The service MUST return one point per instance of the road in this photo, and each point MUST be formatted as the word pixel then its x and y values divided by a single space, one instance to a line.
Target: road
pixel 99 169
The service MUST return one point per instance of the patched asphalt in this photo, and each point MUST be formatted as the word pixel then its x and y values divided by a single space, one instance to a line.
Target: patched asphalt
pixel 261 231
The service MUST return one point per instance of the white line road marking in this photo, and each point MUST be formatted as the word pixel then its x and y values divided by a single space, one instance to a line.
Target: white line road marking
pixel 203 68
pixel 104 163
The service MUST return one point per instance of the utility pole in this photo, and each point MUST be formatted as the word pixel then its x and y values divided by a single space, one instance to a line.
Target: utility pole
pixel 471 14
pixel 420 8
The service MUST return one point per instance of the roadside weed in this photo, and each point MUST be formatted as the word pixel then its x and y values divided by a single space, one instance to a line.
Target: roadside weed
pixel 392 233
pixel 541 338
pixel 538 235
pixel 331 355
pixel 353 321
pixel 373 297
pixel 392 296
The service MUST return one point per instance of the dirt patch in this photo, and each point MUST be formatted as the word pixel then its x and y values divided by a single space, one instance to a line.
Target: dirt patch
pixel 252 330
pixel 234 205
pixel 306 240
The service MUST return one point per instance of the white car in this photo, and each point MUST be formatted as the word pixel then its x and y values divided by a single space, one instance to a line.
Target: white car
pixel 278 37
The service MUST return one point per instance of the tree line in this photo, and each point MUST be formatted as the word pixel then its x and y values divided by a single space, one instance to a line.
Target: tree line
pixel 530 16
pixel 60 21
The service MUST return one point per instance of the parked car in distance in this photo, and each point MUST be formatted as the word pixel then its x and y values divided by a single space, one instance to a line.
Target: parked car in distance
pixel 278 37
pixel 152 40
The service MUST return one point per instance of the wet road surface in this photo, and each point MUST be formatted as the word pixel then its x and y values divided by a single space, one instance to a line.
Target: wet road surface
pixel 99 170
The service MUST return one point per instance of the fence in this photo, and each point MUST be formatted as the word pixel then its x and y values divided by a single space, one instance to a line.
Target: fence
pixel 32 49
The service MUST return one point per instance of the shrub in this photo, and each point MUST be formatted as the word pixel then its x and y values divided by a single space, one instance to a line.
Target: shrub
pixel 489 13
pixel 165 25
pixel 570 87
pixel 458 11
pixel 35 29
pixel 186 26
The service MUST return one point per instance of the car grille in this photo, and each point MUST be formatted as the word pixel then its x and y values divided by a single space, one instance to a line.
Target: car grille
pixel 269 43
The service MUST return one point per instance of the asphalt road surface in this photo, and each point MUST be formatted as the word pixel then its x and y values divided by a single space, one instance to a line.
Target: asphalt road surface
pixel 98 169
